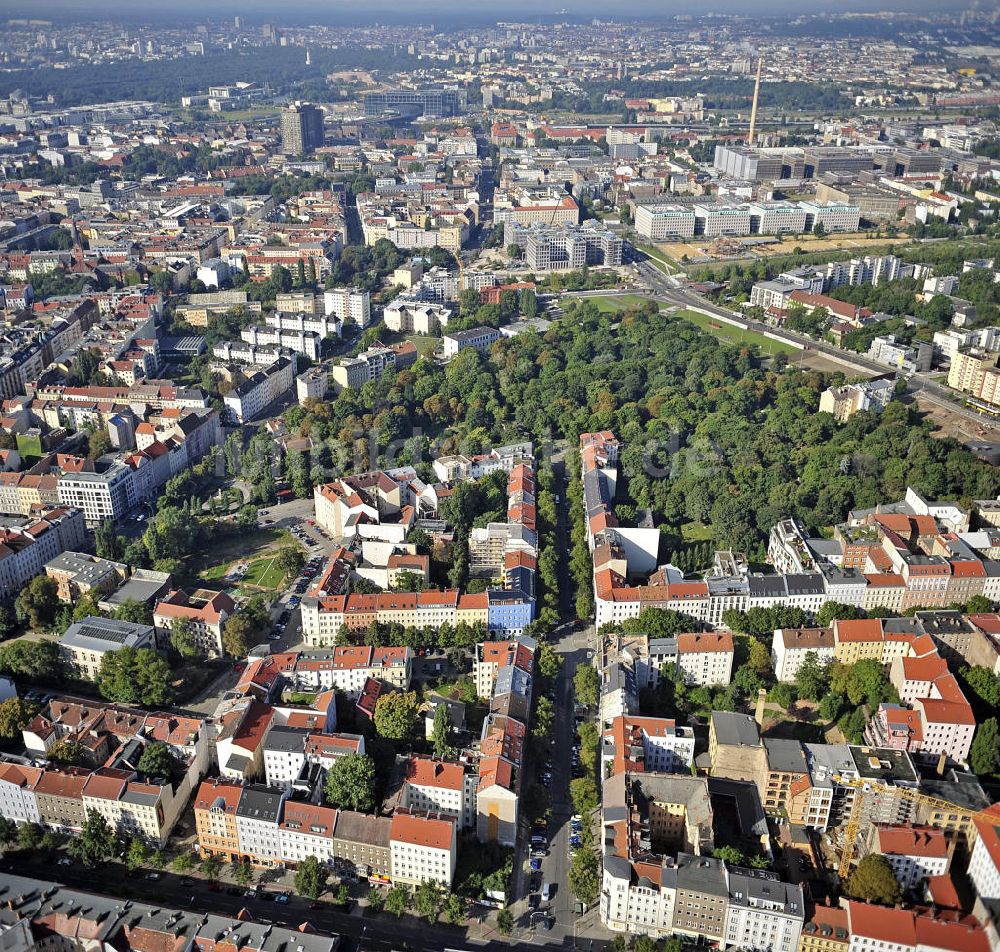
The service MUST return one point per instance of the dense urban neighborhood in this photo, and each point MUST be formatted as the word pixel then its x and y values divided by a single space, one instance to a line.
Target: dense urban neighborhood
pixel 499 478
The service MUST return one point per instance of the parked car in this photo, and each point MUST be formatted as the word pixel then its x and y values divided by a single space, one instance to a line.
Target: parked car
pixel 536 864
pixel 281 897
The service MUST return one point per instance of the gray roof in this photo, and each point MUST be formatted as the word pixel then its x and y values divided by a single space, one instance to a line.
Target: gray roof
pixel 85 569
pixel 94 633
pixel 143 586
pixel 24 898
pixel 752 887
pixel 289 739
pixel 785 755
pixel 363 828
pixel 735 729
pixel 258 802
pixel 703 874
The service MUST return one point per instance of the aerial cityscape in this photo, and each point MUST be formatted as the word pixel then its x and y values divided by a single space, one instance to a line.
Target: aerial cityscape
pixel 478 477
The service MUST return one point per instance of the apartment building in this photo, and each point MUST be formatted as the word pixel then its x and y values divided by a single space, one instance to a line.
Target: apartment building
pixel 348 306
pixel 260 389
pixel 351 373
pixel 25 549
pixel 85 643
pixel 915 853
pixel 984 864
pixel 438 786
pixel 423 847
pixel 257 815
pixel 306 829
pixel 790 647
pixel 34 907
pixel 636 744
pixel 290 751
pixel 414 316
pixel 705 658
pixel 881 929
pixel 762 912
pixel 974 372
pixel 101 497
pixel 79 573
pixel 204 611
pixel 478 338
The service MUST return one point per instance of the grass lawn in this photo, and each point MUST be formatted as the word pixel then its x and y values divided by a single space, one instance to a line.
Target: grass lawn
pixel 425 344
pixel 696 532
pixel 264 573
pixel 239 547
pixel 609 305
pixel 659 258
pixel 736 335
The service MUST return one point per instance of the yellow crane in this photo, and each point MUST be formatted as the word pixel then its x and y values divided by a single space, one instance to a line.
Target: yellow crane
pixel 864 788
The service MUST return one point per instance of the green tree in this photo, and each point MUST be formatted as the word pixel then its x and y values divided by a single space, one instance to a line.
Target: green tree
pixel 811 680
pixel 211 865
pixel 441 731
pixel 984 685
pixel 182 638
pixel 132 610
pixel 310 878
pixel 544 719
pixel 396 714
pixel 36 660
pixel 454 910
pixel 585 876
pixel 583 792
pixel 587 685
pixel 758 657
pixel 505 920
pixel 350 783
pixel 182 863
pixel 549 662
pixel 8 831
pixel 107 543
pixel 38 602
pixel 66 752
pixel 427 899
pixel 29 836
pixel 135 676
pixel 238 635
pixel 837 611
pixel 376 899
pixel 15 715
pixel 136 855
pixel 873 880
pixel 397 900
pixel 730 855
pixel 984 754
pixel 95 843
pixel 158 761
pixel 242 872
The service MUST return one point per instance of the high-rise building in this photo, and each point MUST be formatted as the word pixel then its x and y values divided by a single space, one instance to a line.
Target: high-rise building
pixel 301 128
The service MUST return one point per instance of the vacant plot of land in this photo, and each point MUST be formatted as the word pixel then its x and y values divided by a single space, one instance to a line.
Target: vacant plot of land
pixel 425 344
pixel 608 305
pixel 701 251
pixel 736 335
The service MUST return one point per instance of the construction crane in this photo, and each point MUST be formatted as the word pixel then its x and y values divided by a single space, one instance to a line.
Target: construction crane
pixel 865 787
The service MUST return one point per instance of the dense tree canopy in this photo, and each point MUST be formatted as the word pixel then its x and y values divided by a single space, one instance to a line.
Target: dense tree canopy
pixel 709 433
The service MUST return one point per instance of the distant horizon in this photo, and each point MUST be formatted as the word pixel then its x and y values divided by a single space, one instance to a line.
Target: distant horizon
pixel 451 12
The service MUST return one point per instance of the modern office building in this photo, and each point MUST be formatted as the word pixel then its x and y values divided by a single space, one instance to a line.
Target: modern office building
pixel 415 102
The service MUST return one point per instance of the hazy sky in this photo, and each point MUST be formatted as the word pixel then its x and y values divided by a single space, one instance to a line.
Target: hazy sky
pixel 448 10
